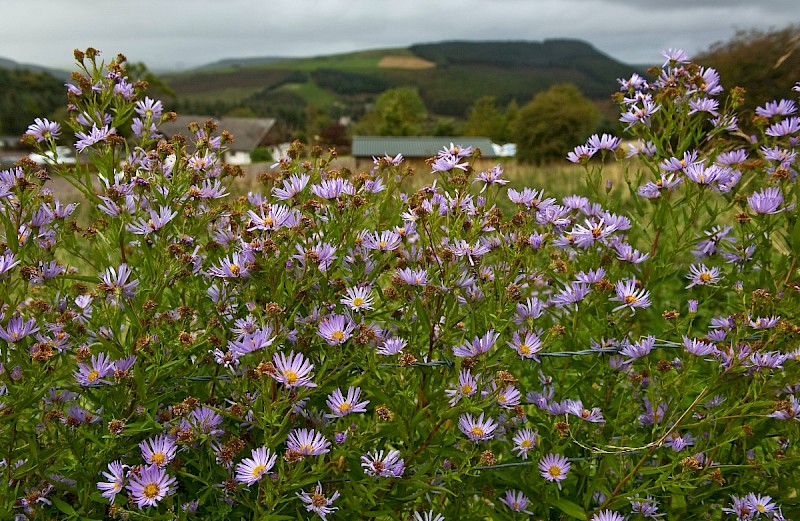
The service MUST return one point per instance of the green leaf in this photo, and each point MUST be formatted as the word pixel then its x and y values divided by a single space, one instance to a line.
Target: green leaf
pixel 571 509
pixel 63 506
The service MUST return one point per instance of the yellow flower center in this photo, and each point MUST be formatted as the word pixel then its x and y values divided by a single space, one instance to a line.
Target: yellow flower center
pixel 93 375
pixel 554 471
pixel 705 277
pixel 337 335
pixel 526 444
pixel 631 299
pixel 524 349
pixel 358 301
pixel 476 431
pixel 290 377
pixel 318 500
pixel 382 244
pixel 466 388
pixel 257 470
pixel 345 407
pixel 158 458
pixel 150 490
pixel 235 269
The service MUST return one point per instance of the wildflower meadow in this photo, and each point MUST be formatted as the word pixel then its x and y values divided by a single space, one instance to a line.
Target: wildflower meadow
pixel 332 347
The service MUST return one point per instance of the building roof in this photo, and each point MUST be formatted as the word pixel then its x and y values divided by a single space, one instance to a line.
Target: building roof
pixel 248 133
pixel 416 146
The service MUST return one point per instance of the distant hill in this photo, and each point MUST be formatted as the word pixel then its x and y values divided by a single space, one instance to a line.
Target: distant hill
pixel 5 63
pixel 450 77
pixel 237 63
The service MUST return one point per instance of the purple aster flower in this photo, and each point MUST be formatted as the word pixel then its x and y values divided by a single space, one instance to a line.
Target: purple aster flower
pixel 524 440
pixel 508 397
pixel 358 298
pixel 777 108
pixel 607 515
pixel 591 276
pixel 702 174
pixel 467 386
pixel 234 266
pixel 639 349
pixel 698 347
pixel 150 485
pixel 333 188
pixel 335 329
pixel 447 162
pixel 383 241
pixel 317 502
pixel 531 309
pixel 604 142
pixel 701 275
pixel 77 415
pixel 477 429
pixel 43 129
pixel 270 218
pixel 766 201
pixel 652 416
pixel 291 187
pixel 630 296
pixel 771 360
pixel 654 190
pixel 554 467
pixel 784 128
pixel 149 108
pixel 114 480
pixel 761 504
pixel 17 329
pixel 576 408
pixel 572 294
pixel 159 450
pixel 253 341
pixel 478 345
pixel 307 442
pixel 341 406
pixel 646 508
pixel 322 255
pixel 155 223
pixel 640 114
pixel 530 198
pixel 491 177
pixel 7 261
pixel 94 374
pixel 763 322
pixel 375 464
pixel 675 56
pixel 594 230
pixel 704 105
pixel 708 246
pixel 641 148
pixel 250 470
pixel 678 442
pixel 412 277
pixel 516 501
pixel 391 346
pixel 626 252
pixel 740 507
pixel 692 304
pixel 294 370
pixel 788 409
pixel 96 135
pixel 205 420
pixel 116 283
pixel 430 515
pixel 527 346
pixel 463 249
pixel 581 154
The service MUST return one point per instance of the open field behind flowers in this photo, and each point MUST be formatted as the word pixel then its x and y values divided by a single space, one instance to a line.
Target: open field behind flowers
pixel 343 345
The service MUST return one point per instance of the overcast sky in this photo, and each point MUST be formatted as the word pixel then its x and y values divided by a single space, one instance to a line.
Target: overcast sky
pixel 177 34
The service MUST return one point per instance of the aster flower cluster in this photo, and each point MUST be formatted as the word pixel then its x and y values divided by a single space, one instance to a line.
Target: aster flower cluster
pixel 334 337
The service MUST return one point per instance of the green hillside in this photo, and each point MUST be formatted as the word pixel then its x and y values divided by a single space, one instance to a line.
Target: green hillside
pixel 450 76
